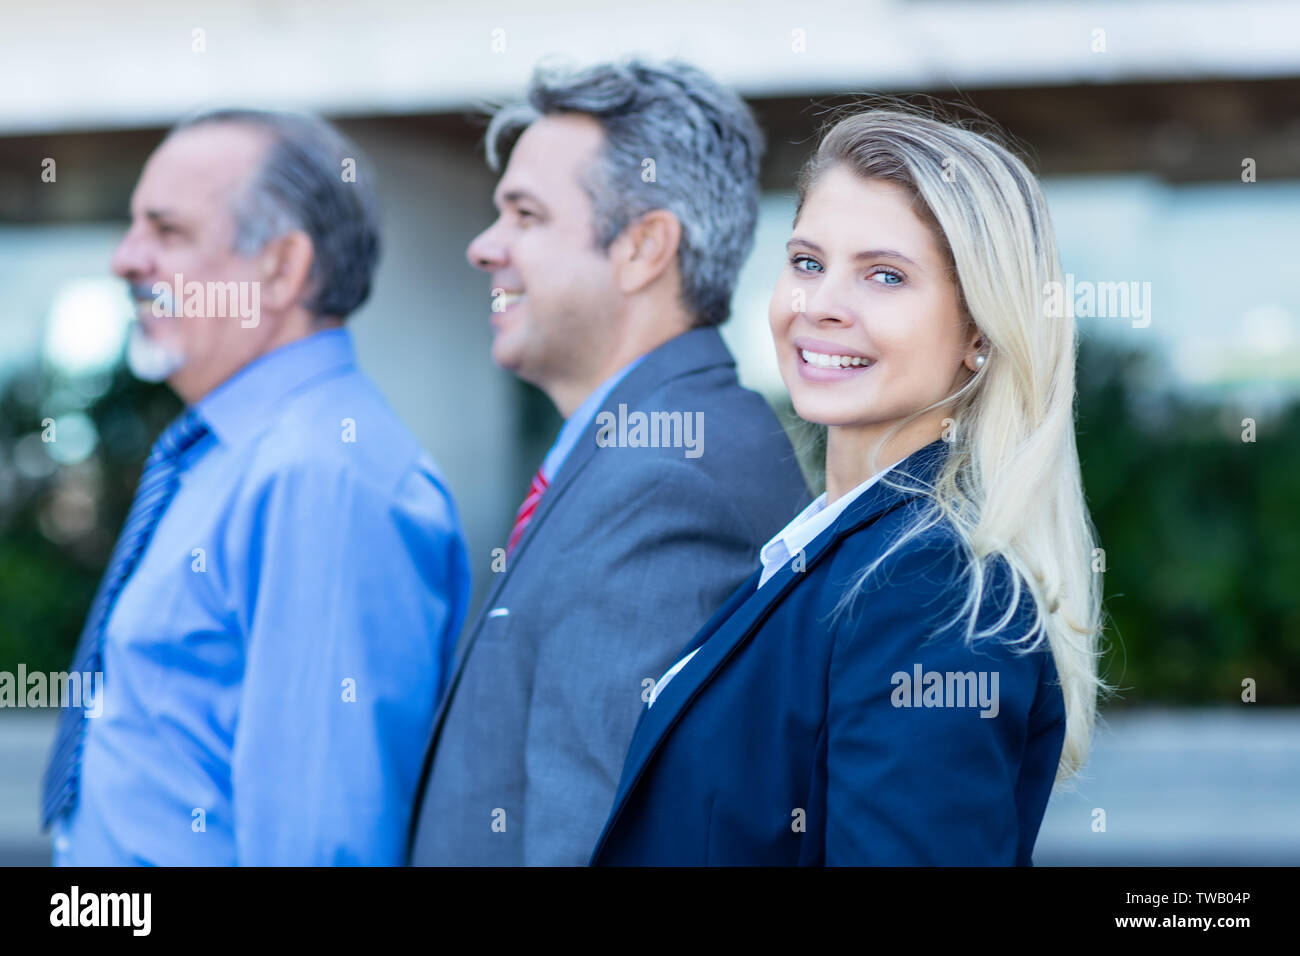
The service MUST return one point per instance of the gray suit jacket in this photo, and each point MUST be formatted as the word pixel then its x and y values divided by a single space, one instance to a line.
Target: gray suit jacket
pixel 629 553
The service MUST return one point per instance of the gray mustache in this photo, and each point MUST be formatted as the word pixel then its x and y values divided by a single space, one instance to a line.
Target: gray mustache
pixel 143 292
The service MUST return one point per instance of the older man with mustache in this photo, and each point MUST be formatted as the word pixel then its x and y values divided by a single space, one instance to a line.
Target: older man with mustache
pixel 277 619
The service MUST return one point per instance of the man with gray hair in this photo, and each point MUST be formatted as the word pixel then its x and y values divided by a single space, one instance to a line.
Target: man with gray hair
pixel 279 614
pixel 626 209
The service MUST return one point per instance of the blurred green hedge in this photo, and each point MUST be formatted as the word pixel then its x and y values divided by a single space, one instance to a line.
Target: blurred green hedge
pixel 1202 537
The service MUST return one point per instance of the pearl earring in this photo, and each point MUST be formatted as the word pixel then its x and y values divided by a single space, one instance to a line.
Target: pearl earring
pixel 980 360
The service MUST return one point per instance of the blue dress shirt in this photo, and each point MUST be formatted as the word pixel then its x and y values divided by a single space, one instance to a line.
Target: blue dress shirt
pixel 577 423
pixel 273 665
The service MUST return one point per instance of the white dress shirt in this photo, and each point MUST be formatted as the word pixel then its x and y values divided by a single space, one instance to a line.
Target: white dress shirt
pixel 783 546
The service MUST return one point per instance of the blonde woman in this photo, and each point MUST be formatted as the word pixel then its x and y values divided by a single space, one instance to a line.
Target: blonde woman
pixel 915 662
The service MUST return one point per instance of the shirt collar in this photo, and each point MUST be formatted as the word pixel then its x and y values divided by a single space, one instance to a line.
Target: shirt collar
pixel 809 523
pixel 577 423
pixel 244 403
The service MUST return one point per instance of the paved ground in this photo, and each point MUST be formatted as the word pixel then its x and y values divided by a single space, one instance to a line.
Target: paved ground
pixel 1185 788
pixel 25 739
pixel 1179 787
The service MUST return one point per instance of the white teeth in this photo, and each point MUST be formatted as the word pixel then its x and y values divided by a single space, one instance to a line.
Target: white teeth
pixel 504 300
pixel 833 361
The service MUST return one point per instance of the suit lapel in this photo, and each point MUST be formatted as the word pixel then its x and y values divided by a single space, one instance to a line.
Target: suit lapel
pixel 689 352
pixel 748 609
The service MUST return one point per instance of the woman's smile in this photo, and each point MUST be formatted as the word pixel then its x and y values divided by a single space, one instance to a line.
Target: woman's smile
pixel 821 361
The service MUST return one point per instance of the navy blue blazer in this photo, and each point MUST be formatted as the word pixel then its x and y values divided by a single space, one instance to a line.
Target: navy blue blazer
pixel 791 739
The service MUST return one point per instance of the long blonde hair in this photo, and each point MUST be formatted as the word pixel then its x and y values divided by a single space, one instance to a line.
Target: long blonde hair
pixel 1010 485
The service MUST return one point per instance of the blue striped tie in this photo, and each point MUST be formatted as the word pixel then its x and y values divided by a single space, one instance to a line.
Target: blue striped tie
pixel 158 484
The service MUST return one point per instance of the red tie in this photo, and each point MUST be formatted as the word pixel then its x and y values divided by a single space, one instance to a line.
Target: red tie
pixel 525 515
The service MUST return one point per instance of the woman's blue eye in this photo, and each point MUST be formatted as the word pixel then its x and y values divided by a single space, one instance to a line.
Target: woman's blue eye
pixel 894 277
pixel 795 260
